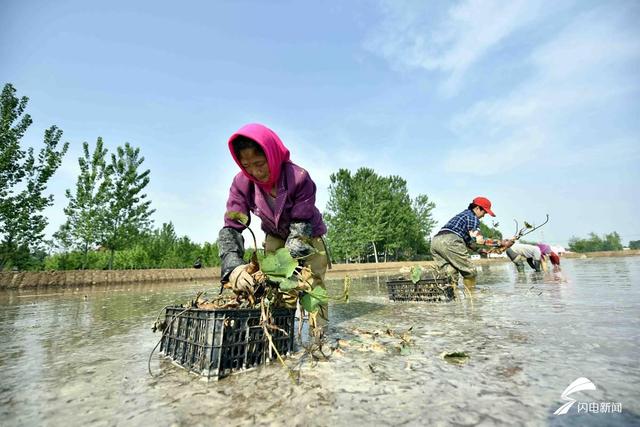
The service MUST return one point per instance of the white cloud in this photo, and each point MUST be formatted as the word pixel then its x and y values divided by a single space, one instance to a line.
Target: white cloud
pixel 410 37
pixel 576 77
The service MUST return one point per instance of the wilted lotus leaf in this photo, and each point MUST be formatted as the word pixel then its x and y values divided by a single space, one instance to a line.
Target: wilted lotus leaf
pixel 290 298
pixel 238 217
pixel 278 265
pixel 259 277
pixel 305 273
pixel 311 300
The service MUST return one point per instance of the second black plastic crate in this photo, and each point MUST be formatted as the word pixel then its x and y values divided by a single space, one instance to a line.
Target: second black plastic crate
pixel 215 343
pixel 430 289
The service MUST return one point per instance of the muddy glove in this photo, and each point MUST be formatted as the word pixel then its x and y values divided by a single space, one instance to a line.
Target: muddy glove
pixel 231 247
pixel 240 280
pixel 299 240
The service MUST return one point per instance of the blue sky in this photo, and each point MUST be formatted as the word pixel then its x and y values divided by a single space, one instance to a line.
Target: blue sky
pixel 532 104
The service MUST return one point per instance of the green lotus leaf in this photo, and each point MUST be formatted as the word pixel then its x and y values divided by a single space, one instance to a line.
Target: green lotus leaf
pixel 288 284
pixel 416 273
pixel 280 264
pixel 310 301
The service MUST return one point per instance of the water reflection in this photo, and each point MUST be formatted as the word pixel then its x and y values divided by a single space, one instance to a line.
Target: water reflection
pixel 84 352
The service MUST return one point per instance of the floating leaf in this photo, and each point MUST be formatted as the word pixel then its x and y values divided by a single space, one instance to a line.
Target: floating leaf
pixel 404 350
pixel 311 300
pixel 456 357
pixel 416 273
pixel 238 217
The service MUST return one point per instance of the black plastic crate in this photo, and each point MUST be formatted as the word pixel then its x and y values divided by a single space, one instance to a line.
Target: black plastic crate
pixel 432 289
pixel 215 343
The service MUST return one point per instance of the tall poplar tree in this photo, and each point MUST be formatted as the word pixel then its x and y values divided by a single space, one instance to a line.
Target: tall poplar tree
pixel 23 181
pixel 87 205
pixel 128 214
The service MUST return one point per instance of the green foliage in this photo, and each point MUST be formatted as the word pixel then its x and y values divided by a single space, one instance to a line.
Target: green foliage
pixel 23 182
pixel 489 232
pixel 128 213
pixel 238 217
pixel 368 214
pixel 87 207
pixel 416 273
pixel 634 244
pixel 108 208
pixel 160 248
pixel 313 299
pixel 609 242
pixel 278 266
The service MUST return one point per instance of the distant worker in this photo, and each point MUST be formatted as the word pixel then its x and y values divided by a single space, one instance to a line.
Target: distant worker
pixel 520 252
pixel 545 250
pixel 449 246
pixel 198 263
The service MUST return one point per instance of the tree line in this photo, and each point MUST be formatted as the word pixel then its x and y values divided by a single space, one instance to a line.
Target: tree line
pixel 595 243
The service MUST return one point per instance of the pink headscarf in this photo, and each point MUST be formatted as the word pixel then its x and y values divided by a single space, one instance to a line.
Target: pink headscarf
pixel 544 248
pixel 273 148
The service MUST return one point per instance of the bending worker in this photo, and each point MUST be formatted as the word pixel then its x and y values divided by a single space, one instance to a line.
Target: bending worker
pixel 449 246
pixel 282 195
pixel 520 252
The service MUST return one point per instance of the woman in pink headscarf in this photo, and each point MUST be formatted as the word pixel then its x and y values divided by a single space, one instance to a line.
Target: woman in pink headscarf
pixel 545 250
pixel 282 195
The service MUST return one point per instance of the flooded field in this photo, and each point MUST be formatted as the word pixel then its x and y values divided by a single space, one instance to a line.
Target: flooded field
pixel 79 357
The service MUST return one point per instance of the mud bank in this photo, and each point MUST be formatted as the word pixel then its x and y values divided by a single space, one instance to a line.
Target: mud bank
pixel 630 252
pixel 77 278
pixel 34 279
pixel 31 279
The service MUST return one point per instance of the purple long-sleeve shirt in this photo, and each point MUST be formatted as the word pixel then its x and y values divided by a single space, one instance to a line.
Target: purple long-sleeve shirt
pixel 295 201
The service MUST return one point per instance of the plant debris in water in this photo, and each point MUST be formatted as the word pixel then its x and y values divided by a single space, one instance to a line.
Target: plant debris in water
pixel 456 357
pixel 379 341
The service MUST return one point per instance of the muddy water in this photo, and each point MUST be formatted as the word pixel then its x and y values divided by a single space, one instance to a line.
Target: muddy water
pixel 79 357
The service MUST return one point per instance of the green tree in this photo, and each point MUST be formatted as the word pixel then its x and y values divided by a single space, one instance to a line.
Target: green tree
pixel 367 212
pixel 128 215
pixel 340 216
pixel 23 182
pixel 594 243
pixel 87 206
pixel 634 244
pixel 489 232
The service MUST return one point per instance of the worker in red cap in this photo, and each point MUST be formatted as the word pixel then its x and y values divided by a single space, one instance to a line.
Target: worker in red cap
pixel 449 246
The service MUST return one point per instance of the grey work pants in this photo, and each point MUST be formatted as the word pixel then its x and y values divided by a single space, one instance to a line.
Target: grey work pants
pixel 451 256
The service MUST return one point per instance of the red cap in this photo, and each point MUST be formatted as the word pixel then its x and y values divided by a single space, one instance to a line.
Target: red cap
pixel 554 258
pixel 484 203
